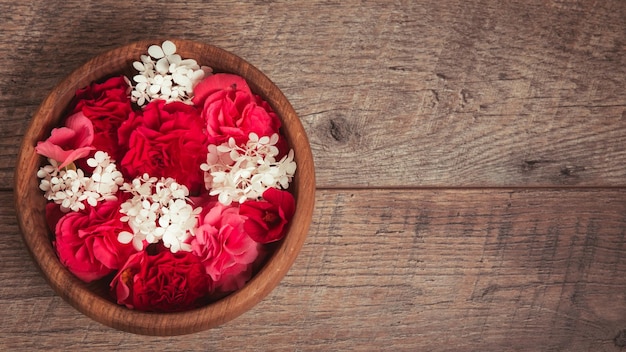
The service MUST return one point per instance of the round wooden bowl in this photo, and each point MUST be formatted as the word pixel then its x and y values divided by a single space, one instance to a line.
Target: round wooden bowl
pixel 93 299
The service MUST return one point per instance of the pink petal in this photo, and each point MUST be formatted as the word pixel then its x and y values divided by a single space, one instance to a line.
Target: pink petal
pixel 218 82
pixel 70 142
pixel 82 126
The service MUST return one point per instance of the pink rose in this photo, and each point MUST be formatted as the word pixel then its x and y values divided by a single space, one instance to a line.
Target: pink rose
pixel 69 143
pixel 224 248
pixel 230 109
pixel 86 241
pixel 266 219
pixel 165 140
pixel 106 105
pixel 161 282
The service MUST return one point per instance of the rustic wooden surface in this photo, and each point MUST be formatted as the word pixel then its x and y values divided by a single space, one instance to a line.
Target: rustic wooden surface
pixel 470 157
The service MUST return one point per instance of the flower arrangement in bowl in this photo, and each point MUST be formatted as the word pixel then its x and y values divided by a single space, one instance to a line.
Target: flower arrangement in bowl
pixel 165 188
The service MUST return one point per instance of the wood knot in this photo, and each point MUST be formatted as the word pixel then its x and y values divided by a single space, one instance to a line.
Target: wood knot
pixel 465 97
pixel 571 171
pixel 620 339
pixel 340 129
pixel 530 165
pixel 398 68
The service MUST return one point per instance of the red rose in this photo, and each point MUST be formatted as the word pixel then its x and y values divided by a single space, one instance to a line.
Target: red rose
pixel 69 143
pixel 165 140
pixel 86 241
pixel 106 105
pixel 161 282
pixel 266 219
pixel 230 109
pixel 224 248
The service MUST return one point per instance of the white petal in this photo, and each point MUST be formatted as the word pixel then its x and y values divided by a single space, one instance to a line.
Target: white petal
pixel 181 79
pixel 268 179
pixel 234 154
pixel 169 48
pixel 138 244
pixel 225 199
pixel 141 86
pixel 125 237
pixel 197 76
pixel 92 201
pixel 223 148
pixel 140 78
pixel 138 66
pixel 162 66
pixel 174 59
pixel 189 63
pixel 156 52
pixel 154 89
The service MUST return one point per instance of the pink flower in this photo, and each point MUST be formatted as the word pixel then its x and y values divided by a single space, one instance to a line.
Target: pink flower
pixel 165 140
pixel 106 105
pixel 230 109
pixel 69 143
pixel 161 282
pixel 266 219
pixel 86 241
pixel 224 248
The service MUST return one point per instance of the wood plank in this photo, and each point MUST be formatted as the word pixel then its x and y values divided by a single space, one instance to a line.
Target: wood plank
pixel 396 94
pixel 442 270
pixel 481 94
pixel 409 93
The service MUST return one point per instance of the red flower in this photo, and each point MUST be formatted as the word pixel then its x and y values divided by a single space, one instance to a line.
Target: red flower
pixel 266 219
pixel 162 282
pixel 230 109
pixel 224 248
pixel 165 140
pixel 53 215
pixel 106 105
pixel 86 241
pixel 69 143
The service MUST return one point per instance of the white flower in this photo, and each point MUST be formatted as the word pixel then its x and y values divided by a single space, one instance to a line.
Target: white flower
pixel 235 173
pixel 105 178
pixel 158 211
pixel 69 187
pixel 170 77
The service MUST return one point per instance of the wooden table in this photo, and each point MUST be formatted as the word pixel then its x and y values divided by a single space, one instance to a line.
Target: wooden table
pixel 470 157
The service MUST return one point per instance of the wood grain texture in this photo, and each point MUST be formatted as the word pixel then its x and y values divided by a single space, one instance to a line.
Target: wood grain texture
pixel 408 105
pixel 393 270
pixel 415 93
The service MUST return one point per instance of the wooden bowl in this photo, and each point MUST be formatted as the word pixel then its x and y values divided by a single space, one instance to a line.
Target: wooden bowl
pixel 93 299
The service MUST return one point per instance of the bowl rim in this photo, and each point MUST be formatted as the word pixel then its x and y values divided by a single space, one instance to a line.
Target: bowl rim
pixel 31 219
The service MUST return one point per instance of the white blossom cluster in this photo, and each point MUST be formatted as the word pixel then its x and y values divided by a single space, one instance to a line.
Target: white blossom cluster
pixel 235 173
pixel 158 211
pixel 165 75
pixel 69 187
